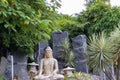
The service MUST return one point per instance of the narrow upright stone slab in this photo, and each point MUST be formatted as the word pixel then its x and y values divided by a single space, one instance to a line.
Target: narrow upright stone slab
pixel 58 38
pixel 40 51
pixel 7 74
pixel 3 65
pixel 79 48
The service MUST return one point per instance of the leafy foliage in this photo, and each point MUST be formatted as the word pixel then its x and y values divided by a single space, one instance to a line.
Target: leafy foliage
pixel 99 17
pixel 59 20
pixel 92 2
pixel 73 27
pixel 23 24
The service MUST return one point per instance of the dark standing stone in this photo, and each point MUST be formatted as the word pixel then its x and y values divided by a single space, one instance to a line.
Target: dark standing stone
pixel 20 66
pixel 79 49
pixel 7 74
pixel 40 51
pixel 58 38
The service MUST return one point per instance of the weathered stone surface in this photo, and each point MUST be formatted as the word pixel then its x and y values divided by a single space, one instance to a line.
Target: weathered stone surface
pixel 20 66
pixel 94 77
pixel 3 65
pixel 40 51
pixel 7 74
pixel 79 48
pixel 58 38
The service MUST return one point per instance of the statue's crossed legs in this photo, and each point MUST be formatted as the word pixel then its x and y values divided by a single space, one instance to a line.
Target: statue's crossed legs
pixel 54 77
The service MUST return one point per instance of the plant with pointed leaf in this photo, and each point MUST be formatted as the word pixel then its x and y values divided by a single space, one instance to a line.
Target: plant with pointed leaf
pixel 67 54
pixel 115 40
pixel 100 55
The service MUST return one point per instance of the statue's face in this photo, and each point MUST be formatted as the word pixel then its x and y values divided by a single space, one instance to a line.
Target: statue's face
pixel 48 54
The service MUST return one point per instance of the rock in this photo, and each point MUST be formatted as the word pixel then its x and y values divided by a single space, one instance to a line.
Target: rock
pixel 7 74
pixel 94 77
pixel 20 66
pixel 40 51
pixel 79 49
pixel 3 65
pixel 58 38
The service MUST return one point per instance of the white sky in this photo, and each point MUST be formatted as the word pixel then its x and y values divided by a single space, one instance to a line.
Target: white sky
pixel 75 6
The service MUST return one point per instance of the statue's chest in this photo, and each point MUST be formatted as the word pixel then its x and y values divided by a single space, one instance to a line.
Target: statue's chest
pixel 48 62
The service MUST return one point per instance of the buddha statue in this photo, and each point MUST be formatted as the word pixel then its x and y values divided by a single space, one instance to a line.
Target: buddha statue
pixel 48 67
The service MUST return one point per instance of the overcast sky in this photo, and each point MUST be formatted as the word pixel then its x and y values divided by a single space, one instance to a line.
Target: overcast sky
pixel 75 6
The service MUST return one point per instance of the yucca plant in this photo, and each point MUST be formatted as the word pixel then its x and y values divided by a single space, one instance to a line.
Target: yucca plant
pixel 115 40
pixel 100 53
pixel 67 53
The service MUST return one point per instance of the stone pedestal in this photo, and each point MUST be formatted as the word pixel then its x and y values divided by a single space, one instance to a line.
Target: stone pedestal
pixel 79 49
pixel 33 71
pixel 58 38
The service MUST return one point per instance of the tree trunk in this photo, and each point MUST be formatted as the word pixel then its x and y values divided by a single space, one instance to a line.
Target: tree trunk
pixel 101 75
pixel 109 75
pixel 118 70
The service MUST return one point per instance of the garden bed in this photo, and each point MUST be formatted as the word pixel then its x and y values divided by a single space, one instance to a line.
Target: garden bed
pixel 82 76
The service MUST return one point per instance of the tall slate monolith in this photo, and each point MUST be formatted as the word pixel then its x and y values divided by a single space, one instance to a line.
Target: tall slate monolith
pixel 58 38
pixel 79 49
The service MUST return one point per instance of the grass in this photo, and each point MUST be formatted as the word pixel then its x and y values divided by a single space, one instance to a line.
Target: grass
pixel 1 78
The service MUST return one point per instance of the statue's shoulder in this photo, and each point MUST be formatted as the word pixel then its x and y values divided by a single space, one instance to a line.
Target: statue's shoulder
pixel 54 59
pixel 42 59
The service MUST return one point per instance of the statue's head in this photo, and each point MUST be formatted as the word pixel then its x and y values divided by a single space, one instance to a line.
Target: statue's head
pixel 48 52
